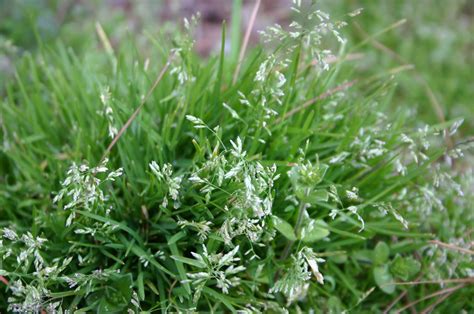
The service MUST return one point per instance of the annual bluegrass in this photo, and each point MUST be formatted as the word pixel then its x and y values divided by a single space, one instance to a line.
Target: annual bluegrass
pixel 295 189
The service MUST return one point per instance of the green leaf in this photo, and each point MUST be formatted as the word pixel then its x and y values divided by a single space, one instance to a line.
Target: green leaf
pixel 220 298
pixel 152 287
pixel 381 253
pixel 189 261
pixel 115 298
pixel 220 70
pixel 365 256
pixel 179 266
pixel 314 231
pixel 235 34
pixel 139 252
pixel 313 197
pixel 105 306
pixel 404 267
pixel 120 293
pixel 176 237
pixel 141 286
pixel 384 279
pixel 284 228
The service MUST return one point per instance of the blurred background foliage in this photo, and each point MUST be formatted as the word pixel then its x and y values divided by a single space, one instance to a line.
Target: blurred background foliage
pixel 435 37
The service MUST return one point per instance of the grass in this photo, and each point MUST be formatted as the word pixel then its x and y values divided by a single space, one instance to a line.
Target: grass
pixel 434 39
pixel 293 188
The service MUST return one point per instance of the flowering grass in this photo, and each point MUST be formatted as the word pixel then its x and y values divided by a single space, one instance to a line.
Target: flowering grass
pixel 149 181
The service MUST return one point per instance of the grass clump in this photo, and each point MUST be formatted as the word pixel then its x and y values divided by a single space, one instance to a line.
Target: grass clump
pixel 290 190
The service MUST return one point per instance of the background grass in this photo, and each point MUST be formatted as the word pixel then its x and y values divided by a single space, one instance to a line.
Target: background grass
pixel 436 39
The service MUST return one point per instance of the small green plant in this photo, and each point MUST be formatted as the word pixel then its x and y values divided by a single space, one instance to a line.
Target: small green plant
pixel 292 189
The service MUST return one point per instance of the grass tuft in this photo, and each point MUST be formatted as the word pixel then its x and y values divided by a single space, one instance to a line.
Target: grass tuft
pixel 280 182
